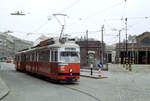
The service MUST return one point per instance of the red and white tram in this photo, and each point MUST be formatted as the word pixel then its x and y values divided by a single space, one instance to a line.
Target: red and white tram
pixel 51 58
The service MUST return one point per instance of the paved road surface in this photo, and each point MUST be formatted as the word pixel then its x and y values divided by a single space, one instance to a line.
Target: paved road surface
pixel 121 86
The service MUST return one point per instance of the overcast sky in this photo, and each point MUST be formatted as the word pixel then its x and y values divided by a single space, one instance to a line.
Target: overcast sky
pixel 81 15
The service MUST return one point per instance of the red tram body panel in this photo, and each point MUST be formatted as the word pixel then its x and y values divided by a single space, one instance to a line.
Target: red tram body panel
pixel 52 59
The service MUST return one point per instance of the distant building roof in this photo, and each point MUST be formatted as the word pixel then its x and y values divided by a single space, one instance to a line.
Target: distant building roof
pixel 110 47
pixel 132 39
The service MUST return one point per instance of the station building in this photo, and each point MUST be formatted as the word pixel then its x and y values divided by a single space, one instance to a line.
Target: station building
pixel 90 52
pixel 110 53
pixel 138 49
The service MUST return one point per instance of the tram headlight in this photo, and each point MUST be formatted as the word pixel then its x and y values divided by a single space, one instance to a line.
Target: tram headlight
pixel 70 70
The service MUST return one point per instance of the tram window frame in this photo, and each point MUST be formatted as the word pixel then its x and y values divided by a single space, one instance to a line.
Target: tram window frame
pixel 32 56
pixel 28 57
pixel 51 55
pixel 35 56
pixel 22 59
pixel 56 56
pixel 43 56
pixel 19 57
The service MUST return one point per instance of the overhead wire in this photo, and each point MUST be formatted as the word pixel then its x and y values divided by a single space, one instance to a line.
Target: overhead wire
pixel 70 6
pixel 129 18
pixel 40 27
pixel 148 27
pixel 74 3
pixel 93 14
pixel 124 12
pixel 110 7
pixel 65 9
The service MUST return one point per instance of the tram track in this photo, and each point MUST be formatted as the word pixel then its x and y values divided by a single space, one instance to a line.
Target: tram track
pixel 83 92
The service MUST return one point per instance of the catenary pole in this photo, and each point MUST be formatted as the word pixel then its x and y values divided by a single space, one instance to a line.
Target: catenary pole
pixel 102 45
pixel 119 43
pixel 87 46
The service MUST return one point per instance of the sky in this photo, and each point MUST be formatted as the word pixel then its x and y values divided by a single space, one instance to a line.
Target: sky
pixel 82 15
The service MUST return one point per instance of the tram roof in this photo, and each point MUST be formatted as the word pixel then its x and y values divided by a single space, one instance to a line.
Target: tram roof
pixel 67 44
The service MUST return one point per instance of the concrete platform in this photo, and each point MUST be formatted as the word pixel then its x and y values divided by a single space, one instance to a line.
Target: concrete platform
pixel 87 73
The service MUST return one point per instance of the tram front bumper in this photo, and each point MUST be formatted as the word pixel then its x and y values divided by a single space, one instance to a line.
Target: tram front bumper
pixel 68 76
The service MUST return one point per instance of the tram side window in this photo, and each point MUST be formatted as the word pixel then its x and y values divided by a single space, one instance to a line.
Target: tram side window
pixel 35 56
pixel 28 57
pixel 44 56
pixel 54 56
pixel 23 58
pixel 32 56
pixel 19 58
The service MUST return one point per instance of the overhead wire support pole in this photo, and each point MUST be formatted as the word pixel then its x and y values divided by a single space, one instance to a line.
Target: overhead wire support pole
pixel 119 46
pixel 126 32
pixel 87 46
pixel 126 37
pixel 127 59
pixel 102 44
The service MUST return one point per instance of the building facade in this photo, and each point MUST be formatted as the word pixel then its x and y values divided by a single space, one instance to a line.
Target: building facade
pixel 138 50
pixel 9 45
pixel 110 54
pixel 90 52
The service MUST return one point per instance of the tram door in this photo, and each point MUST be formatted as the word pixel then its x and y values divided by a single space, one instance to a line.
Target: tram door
pixel 54 62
